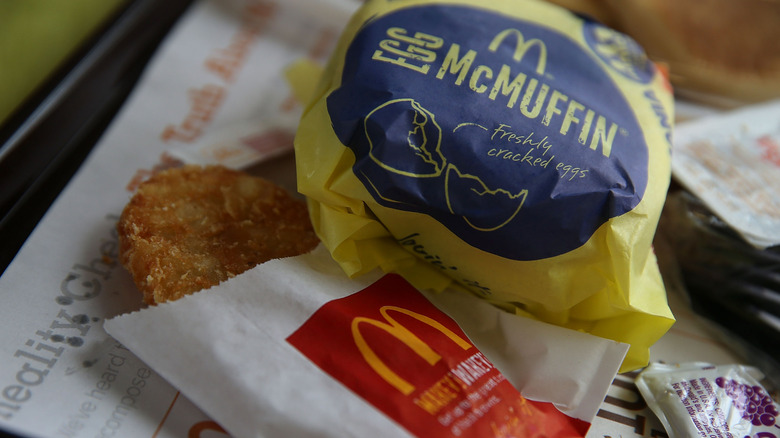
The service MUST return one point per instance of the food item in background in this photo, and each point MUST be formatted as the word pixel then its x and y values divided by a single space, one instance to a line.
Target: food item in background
pixel 713 48
pixel 700 399
pixel 512 148
pixel 190 228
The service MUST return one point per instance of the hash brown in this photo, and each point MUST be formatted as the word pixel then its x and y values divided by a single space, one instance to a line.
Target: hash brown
pixel 190 228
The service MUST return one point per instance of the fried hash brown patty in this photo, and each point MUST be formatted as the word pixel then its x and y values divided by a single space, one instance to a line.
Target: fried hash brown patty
pixel 190 228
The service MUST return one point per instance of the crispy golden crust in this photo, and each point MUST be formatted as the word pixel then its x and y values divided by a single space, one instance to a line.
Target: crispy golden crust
pixel 190 228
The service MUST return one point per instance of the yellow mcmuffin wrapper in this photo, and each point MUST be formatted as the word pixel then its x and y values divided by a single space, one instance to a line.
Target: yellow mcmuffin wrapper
pixel 511 149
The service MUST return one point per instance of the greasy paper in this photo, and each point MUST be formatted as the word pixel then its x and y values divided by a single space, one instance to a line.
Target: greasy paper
pixel 266 384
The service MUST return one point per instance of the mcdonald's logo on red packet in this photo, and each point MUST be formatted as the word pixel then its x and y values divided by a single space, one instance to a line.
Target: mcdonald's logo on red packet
pixel 392 347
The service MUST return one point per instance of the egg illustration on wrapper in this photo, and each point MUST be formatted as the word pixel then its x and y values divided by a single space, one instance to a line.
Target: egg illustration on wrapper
pixel 420 155
pixel 404 140
pixel 482 208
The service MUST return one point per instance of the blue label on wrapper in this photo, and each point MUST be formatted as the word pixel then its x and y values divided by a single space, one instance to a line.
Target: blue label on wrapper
pixel 511 135
pixel 621 53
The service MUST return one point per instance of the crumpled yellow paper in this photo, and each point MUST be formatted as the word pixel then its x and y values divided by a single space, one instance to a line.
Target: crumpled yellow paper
pixel 513 150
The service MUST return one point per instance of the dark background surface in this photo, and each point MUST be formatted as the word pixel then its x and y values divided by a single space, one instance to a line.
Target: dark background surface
pixel 46 139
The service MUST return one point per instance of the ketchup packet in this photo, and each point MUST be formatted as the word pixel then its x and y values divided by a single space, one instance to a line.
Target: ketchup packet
pixel 702 400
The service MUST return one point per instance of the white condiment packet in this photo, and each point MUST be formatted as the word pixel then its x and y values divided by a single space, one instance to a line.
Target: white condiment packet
pixel 226 349
pixel 731 161
pixel 703 400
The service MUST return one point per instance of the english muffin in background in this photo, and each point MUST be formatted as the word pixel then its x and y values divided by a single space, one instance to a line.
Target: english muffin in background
pixel 713 48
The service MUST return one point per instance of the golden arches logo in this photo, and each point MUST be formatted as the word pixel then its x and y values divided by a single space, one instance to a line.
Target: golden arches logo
pixel 403 334
pixel 522 47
